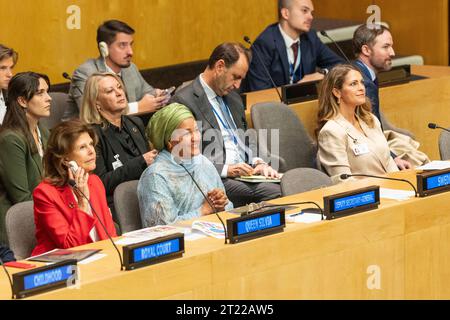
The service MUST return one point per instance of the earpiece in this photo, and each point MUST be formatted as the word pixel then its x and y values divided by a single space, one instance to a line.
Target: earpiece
pixel 103 47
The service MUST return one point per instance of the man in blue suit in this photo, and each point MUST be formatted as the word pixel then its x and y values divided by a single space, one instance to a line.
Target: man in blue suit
pixel 373 49
pixel 289 49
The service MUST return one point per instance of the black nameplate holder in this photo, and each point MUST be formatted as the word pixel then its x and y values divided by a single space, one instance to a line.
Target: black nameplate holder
pixel 352 202
pixel 299 92
pixel 43 279
pixel 433 182
pixel 256 225
pixel 153 251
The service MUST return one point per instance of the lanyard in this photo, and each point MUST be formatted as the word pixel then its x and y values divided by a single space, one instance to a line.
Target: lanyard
pixel 225 123
pixel 292 67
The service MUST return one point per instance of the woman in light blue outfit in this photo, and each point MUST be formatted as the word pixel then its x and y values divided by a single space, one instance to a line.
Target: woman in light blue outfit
pixel 166 192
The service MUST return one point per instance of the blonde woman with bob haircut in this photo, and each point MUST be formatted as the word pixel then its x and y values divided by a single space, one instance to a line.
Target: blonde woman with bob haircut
pixel 350 137
pixel 123 151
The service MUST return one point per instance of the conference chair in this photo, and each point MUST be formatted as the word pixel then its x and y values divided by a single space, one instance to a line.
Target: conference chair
pixel 296 147
pixel 20 229
pixel 444 145
pixel 302 180
pixel 58 106
pixel 389 126
pixel 126 204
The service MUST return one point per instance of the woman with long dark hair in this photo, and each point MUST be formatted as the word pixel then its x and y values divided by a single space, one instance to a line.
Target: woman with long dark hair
pixel 22 140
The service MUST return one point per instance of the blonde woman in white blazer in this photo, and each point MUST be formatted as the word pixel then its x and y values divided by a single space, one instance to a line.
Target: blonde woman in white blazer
pixel 350 137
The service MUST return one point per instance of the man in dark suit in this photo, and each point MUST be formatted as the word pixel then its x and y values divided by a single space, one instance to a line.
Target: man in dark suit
pixel 115 41
pixel 213 100
pixel 289 49
pixel 373 49
pixel 8 59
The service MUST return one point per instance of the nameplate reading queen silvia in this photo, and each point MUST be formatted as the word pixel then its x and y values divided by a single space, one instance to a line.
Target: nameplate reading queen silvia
pixel 256 225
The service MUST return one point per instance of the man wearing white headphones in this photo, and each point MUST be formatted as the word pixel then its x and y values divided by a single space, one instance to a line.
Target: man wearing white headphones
pixel 115 42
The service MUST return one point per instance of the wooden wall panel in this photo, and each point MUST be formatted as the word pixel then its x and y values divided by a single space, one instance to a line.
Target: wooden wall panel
pixel 168 31
pixel 177 31
pixel 418 27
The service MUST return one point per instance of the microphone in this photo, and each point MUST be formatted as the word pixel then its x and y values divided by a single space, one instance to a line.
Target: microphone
pixel 73 184
pixel 9 277
pixel 325 34
pixel 285 205
pixel 247 39
pixel 435 126
pixel 66 76
pixel 346 176
pixel 179 162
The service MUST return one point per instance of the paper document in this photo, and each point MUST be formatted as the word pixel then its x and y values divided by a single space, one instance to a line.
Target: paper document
pixel 258 179
pixel 435 165
pixel 148 234
pixel 93 258
pixel 303 218
pixel 211 229
pixel 394 194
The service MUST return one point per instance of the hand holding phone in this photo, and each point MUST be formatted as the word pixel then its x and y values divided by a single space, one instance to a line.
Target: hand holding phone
pixel 73 167
pixel 168 92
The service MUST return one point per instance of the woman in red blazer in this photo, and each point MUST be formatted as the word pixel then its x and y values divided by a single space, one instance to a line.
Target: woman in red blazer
pixel 63 216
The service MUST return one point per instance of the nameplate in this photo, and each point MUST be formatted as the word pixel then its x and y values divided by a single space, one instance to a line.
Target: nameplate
pixel 348 203
pixel 396 75
pixel 153 251
pixel 256 225
pixel 59 275
pixel 433 182
pixel 299 92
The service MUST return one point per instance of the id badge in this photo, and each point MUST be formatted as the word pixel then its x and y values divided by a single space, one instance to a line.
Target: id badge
pixel 117 164
pixel 360 149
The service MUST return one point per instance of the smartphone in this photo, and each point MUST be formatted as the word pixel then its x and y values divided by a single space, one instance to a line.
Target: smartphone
pixel 169 91
pixel 19 265
pixel 73 166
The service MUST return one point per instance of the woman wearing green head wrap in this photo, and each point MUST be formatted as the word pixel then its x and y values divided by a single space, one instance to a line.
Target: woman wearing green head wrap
pixel 166 192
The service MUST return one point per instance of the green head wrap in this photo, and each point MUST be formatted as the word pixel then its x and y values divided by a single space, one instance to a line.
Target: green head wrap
pixel 164 122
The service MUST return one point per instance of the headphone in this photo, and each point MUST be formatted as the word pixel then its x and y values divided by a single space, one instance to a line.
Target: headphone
pixel 103 47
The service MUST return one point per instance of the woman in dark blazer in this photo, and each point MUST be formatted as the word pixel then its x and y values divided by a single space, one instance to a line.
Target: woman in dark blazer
pixel 123 151
pixel 22 141
pixel 63 216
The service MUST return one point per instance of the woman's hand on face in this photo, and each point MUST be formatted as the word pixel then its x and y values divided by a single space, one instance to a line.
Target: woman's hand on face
pixel 81 179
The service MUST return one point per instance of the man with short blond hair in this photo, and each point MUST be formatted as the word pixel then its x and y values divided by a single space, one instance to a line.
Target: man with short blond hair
pixel 8 59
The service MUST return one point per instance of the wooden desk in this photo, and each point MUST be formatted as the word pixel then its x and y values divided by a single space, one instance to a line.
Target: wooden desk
pixel 410 106
pixel 408 242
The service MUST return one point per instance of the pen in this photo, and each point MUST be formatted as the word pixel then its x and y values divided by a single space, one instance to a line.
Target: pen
pixel 296 214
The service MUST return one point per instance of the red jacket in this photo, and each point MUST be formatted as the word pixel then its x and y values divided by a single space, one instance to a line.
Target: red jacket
pixel 61 224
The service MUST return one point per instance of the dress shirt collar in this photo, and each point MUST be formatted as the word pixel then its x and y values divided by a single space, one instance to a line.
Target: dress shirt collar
pixel 112 71
pixel 287 40
pixel 373 75
pixel 209 92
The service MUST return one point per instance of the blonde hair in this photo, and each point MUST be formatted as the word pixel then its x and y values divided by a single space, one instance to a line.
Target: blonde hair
pixel 328 103
pixel 89 112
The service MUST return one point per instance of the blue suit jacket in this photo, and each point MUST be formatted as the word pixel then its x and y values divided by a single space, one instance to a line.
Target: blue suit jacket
pixel 272 49
pixel 372 91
